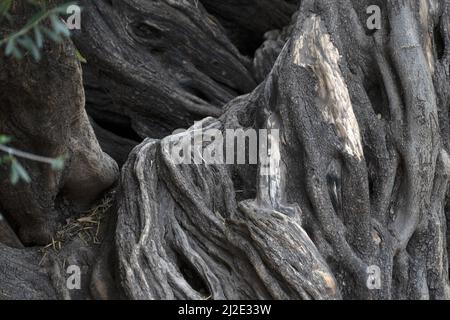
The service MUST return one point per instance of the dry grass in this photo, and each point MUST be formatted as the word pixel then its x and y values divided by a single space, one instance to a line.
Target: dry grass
pixel 86 227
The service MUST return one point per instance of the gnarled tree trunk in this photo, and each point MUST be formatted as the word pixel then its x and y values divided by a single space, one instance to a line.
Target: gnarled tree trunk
pixel 42 108
pixel 361 181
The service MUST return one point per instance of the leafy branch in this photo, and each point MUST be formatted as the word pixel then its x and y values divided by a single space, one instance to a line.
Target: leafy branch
pixel 31 36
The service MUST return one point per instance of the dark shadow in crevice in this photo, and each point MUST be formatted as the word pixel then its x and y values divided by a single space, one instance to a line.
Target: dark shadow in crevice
pixel 191 275
pixel 439 44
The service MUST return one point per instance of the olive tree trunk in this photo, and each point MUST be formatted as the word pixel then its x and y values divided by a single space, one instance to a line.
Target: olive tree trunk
pixel 360 185
pixel 356 189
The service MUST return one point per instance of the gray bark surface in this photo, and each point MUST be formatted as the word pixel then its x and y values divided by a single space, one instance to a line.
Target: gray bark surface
pixel 362 172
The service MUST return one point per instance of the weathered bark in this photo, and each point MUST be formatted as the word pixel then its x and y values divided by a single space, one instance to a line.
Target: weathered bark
pixel 22 277
pixel 364 131
pixel 42 108
pixel 359 179
pixel 268 52
pixel 154 67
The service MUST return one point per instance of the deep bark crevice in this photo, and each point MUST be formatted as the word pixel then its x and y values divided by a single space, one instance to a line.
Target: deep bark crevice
pixel 359 178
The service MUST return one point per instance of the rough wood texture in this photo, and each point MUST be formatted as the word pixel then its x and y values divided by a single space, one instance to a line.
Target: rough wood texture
pixel 363 142
pixel 21 276
pixel 360 177
pixel 246 21
pixel 42 108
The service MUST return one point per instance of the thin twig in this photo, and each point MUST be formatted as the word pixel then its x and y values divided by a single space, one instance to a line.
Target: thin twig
pixel 26 155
